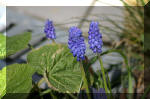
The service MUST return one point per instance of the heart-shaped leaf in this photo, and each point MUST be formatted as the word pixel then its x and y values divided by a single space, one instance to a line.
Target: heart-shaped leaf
pixel 19 78
pixel 61 68
pixel 17 43
pixel 2 82
pixel 2 46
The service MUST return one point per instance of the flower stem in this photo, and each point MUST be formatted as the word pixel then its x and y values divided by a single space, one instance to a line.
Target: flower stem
pixel 130 85
pixel 85 80
pixel 103 74
pixel 53 41
pixel 109 85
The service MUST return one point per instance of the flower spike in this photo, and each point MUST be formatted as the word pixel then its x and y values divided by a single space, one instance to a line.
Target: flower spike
pixel 49 30
pixel 95 37
pixel 76 43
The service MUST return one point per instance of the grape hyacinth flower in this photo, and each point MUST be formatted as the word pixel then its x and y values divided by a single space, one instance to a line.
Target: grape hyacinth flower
pixel 99 94
pixel 95 93
pixel 95 37
pixel 76 43
pixel 49 30
pixel 77 46
pixel 95 42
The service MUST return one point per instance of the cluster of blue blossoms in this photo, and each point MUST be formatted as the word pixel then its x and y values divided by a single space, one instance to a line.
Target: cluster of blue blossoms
pixel 95 38
pixel 76 41
pixel 49 30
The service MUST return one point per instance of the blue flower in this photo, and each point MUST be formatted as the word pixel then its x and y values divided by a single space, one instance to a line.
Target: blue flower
pixel 76 43
pixel 49 30
pixel 95 94
pixel 99 94
pixel 95 37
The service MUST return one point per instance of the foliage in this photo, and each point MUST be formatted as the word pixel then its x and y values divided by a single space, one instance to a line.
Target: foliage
pixel 56 63
pixel 19 78
pixel 2 46
pixel 2 82
pixel 61 71
pixel 14 44
pixel 17 43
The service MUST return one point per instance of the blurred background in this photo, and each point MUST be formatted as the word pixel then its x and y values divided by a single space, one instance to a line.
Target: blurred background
pixel 122 28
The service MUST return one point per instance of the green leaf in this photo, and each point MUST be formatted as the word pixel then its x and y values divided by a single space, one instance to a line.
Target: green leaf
pixel 61 68
pixel 130 87
pixel 2 46
pixel 19 78
pixel 17 43
pixel 2 82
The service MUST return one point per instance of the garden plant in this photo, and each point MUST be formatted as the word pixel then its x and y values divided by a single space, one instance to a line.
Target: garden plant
pixel 65 68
